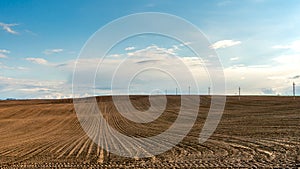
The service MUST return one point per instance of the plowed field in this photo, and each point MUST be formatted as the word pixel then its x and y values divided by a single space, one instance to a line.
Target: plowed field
pixel 257 131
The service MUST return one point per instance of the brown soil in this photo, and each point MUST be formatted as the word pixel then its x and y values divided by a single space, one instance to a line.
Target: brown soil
pixel 256 131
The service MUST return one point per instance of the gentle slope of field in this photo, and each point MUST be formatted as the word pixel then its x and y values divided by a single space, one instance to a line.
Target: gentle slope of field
pixel 255 131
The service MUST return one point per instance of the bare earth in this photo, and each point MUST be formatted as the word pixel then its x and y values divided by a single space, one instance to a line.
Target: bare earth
pixel 254 132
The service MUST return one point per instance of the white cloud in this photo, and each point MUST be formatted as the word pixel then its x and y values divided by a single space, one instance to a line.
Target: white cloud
pixel 3 53
pixel 175 47
pixel 27 88
pixel 115 55
pixel 129 48
pixel 22 68
pixel 121 69
pixel 7 27
pixel 225 44
pixel 153 51
pixel 185 44
pixel 31 33
pixel 256 79
pixel 295 46
pixel 40 61
pixel 234 58
pixel 291 60
pixel 52 51
pixel 252 79
pixel 3 66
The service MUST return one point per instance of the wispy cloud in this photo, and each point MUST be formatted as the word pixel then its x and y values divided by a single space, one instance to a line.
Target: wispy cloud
pixel 129 48
pixel 31 33
pixel 52 51
pixel 277 76
pixel 7 27
pixel 3 66
pixel 289 60
pixel 185 44
pixel 147 61
pixel 225 44
pixel 3 53
pixel 234 58
pixel 292 46
pixel 157 62
pixel 153 51
pixel 28 88
pixel 39 61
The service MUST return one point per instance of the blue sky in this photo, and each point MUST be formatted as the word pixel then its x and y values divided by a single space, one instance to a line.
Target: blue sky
pixel 258 41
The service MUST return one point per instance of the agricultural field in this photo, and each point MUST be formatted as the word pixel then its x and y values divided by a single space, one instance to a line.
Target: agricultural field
pixel 256 131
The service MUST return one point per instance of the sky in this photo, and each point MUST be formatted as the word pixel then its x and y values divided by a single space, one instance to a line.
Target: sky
pixel 257 41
